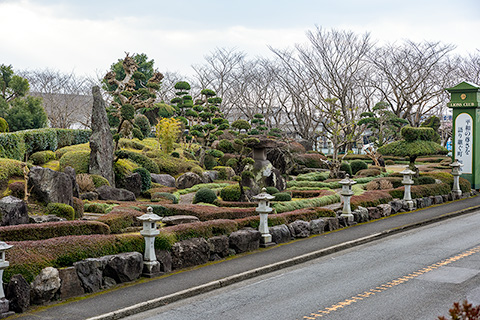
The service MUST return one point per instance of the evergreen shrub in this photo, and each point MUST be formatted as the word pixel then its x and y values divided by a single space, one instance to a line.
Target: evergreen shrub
pixel 282 196
pixel 230 193
pixel 272 190
pixel 78 160
pixel 146 178
pixel 61 210
pixel 358 165
pixel 205 195
pixel 42 157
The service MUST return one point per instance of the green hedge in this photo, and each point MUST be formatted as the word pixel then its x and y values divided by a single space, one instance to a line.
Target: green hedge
pixel 41 231
pixel 120 218
pixel 78 160
pixel 15 145
pixel 139 158
pixel 42 157
pixel 28 258
pixel 421 191
pixel 61 210
pixel 203 229
pixel 305 203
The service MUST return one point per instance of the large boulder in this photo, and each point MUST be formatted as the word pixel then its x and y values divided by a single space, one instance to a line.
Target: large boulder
pixel 361 214
pixel 90 273
pixel 45 285
pixel 124 267
pixel 210 176
pixel 300 229
pixel 18 293
pixel 179 219
pixel 34 218
pixel 111 193
pixel 280 233
pixel 164 257
pixel 317 226
pixel 244 240
pixel 163 179
pixel 219 247
pixel 47 186
pixel 71 286
pixel 101 141
pixel 385 209
pixel 13 211
pixel 188 180
pixel 132 183
pixel 189 253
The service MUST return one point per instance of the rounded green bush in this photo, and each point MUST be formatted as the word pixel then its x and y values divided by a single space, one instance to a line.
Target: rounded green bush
pixel 127 111
pixel 78 160
pixel 233 162
pixel 175 154
pixel 137 133
pixel 272 190
pixel 205 195
pixel 230 193
pixel 61 210
pixel 345 166
pixel 3 125
pixel 141 121
pixel 358 165
pixel 226 146
pixel 42 157
pixel 146 178
pixel 99 181
pixel 282 196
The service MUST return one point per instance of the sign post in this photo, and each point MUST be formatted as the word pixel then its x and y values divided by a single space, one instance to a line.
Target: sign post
pixel 464 101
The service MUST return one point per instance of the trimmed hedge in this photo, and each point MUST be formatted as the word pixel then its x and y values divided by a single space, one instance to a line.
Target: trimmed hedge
pixel 203 229
pixel 370 199
pixel 358 165
pixel 313 176
pixel 12 145
pixel 235 204
pixel 305 203
pixel 205 213
pixel 69 137
pixel 205 195
pixel 78 160
pixel 61 210
pixel 230 193
pixel 310 193
pixel 41 231
pixel 79 147
pixel 121 218
pixel 28 258
pixel 139 158
pixel 421 191
pixel 42 157
pixel 9 168
pixel 159 196
pixel 282 196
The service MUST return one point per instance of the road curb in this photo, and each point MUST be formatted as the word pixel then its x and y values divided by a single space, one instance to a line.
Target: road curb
pixel 161 301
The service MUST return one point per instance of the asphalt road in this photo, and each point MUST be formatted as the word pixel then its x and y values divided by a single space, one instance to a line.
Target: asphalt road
pixel 417 274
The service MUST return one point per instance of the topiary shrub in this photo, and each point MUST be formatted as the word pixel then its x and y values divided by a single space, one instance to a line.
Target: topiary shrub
pixel 158 196
pixel 210 162
pixel 424 180
pixel 230 193
pixel 99 181
pixel 282 196
pixel 345 166
pixel 61 210
pixel 42 157
pixel 358 165
pixel 78 160
pixel 272 190
pixel 141 121
pixel 205 195
pixel 368 173
pixel 175 154
pixel 146 178
pixel 121 218
pixel 226 146
pixel 139 158
pixel 389 162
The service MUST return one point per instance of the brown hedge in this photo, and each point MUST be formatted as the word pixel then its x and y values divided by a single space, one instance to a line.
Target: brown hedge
pixel 235 204
pixel 370 199
pixel 203 229
pixel 205 213
pixel 120 218
pixel 41 231
pixel 310 193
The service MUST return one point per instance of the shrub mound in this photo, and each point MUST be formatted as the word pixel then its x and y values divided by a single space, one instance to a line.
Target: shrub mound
pixel 41 231
pixel 203 229
pixel 61 210
pixel 230 193
pixel 358 165
pixel 205 195
pixel 121 218
pixel 282 196
pixel 42 157
pixel 78 160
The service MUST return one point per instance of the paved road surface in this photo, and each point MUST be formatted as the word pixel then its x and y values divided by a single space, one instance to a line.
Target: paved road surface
pixel 413 275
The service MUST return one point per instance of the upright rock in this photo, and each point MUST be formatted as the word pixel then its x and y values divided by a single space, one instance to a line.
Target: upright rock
pixel 45 285
pixel 18 293
pixel 13 211
pixel 101 141
pixel 48 186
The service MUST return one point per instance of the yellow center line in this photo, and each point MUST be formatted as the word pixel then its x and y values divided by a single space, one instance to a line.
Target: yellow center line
pixel 361 296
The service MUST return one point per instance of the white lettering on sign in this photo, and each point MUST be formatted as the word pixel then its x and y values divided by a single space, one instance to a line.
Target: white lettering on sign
pixel 464 141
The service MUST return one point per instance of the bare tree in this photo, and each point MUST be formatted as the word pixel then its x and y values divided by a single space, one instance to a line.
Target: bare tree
pixel 412 77
pixel 469 68
pixel 66 97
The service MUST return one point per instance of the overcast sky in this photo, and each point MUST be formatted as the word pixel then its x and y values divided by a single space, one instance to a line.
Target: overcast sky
pixel 87 36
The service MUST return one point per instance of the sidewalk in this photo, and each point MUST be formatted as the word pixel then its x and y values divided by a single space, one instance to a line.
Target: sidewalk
pixel 146 294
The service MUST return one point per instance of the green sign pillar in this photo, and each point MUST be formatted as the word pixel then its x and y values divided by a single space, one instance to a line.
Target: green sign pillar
pixel 465 100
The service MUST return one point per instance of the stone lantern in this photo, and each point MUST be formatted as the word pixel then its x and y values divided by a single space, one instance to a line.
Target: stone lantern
pixel 264 209
pixel 456 178
pixel 347 193
pixel 151 266
pixel 4 303
pixel 407 182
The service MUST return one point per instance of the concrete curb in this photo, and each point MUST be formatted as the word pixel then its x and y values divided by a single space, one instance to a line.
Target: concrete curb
pixel 158 302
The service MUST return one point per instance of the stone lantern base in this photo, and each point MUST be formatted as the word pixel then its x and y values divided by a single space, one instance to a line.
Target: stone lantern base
pixel 4 306
pixel 151 269
pixel 266 241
